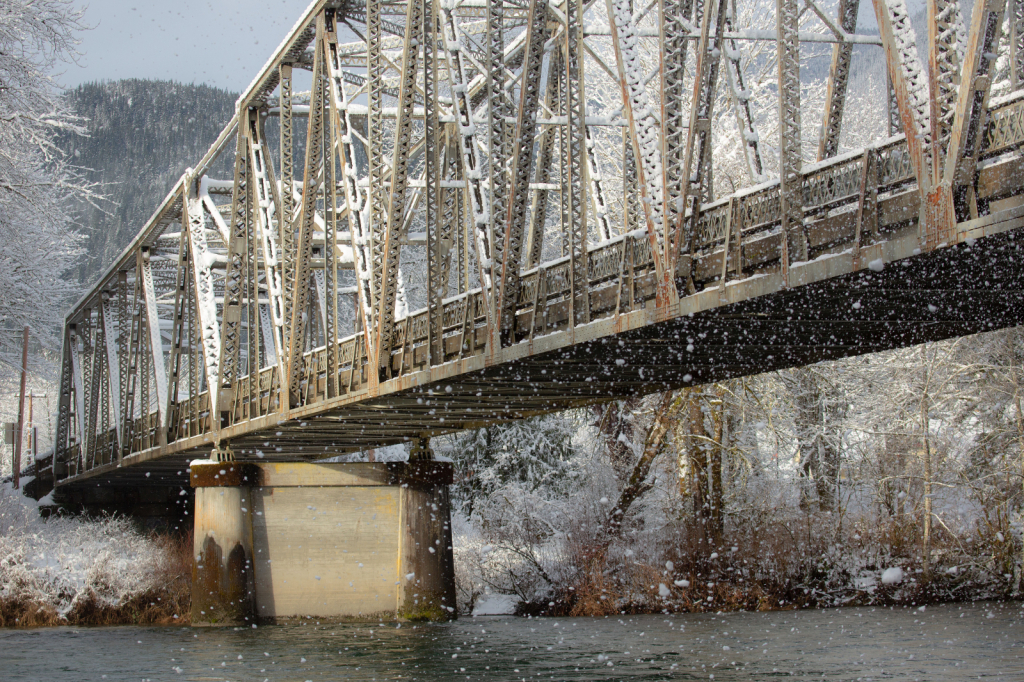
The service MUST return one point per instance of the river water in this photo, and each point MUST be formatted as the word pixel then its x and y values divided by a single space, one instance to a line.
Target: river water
pixel 983 640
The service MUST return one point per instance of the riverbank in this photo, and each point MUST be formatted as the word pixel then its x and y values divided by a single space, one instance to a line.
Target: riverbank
pixel 71 570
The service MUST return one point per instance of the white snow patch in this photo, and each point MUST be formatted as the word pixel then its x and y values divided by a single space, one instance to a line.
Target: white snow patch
pixel 495 605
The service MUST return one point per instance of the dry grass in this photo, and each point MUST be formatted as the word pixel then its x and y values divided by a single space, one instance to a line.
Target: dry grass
pixel 168 603
pixel 767 565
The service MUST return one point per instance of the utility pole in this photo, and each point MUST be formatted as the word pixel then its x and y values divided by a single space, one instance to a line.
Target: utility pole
pixel 21 410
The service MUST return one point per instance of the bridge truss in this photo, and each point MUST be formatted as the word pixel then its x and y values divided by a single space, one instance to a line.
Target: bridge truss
pixel 544 183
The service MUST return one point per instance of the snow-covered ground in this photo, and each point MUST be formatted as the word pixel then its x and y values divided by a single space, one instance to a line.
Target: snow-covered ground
pixel 62 562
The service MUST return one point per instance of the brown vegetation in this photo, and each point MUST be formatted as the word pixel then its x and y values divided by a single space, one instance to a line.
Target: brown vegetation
pixel 168 602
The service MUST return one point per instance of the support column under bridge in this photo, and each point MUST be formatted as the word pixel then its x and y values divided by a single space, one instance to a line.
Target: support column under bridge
pixel 362 541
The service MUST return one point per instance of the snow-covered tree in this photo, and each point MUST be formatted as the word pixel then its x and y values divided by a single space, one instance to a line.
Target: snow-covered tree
pixel 38 242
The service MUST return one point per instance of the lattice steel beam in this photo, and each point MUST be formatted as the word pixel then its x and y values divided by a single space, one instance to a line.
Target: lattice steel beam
pixel 644 133
pixel 355 197
pixel 795 246
pixel 945 48
pixel 838 80
pixel 971 111
pixel 909 83
pixel 695 176
pixel 507 257
pixel 387 235
pixel 231 315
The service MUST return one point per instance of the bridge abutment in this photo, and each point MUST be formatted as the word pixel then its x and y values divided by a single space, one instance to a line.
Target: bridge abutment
pixel 361 541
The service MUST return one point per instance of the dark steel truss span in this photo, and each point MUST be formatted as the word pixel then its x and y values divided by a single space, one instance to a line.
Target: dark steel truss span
pixel 454 248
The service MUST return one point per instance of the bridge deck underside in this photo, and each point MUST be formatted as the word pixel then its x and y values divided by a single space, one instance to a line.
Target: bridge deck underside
pixel 755 325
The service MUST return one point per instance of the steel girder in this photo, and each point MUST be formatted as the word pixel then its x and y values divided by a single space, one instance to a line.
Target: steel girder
pixel 460 171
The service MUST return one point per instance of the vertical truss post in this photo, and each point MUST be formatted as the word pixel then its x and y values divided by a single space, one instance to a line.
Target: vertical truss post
pixel 740 97
pixel 542 175
pixel 206 307
pixel 375 69
pixel 331 334
pixel 387 234
pixel 125 329
pixel 286 210
pixel 269 239
pixel 794 239
pixel 113 364
pixel 1016 38
pixel 179 327
pixel 945 27
pixel 231 316
pixel 696 177
pixel 91 373
pixel 311 179
pixel 644 133
pixel 77 382
pixel 490 243
pixel 576 133
pixel 509 248
pixel 156 346
pixel 478 189
pixel 132 333
pixel 909 84
pixel 439 238
pixel 631 212
pixel 838 80
pixel 972 107
pixel 674 39
pixel 355 198
pixel 63 434
pixel 251 289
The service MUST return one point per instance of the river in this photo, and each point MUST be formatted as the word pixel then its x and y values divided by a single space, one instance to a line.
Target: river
pixel 947 642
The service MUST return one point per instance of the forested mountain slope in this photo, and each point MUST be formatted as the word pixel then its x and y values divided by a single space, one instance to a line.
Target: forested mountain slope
pixel 142 136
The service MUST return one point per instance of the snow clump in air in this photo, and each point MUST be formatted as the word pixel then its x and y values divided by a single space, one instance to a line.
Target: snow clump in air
pixel 892 576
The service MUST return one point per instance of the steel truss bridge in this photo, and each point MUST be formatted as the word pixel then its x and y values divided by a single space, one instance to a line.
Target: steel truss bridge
pixel 565 247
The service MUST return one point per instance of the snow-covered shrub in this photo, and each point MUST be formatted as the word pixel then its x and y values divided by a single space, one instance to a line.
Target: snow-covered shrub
pixel 61 564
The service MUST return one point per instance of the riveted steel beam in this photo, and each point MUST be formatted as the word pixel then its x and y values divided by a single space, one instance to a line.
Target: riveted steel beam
pixel 838 81
pixel 387 243
pixel 508 249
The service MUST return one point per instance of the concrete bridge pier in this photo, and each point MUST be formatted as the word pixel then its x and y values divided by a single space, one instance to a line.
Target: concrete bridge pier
pixel 354 541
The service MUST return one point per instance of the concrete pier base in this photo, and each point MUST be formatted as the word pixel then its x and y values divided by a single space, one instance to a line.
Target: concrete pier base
pixel 362 541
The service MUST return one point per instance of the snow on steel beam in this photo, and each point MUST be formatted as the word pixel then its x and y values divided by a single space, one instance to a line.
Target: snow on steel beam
pixel 477 187
pixel 113 366
pixel 794 242
pixel 387 234
pixel 312 177
pixel 156 348
pixel 202 282
pixel 507 257
pixel 946 37
pixel 644 134
pixel 695 177
pixel 838 80
pixel 972 105
pixel 909 83
pixel 265 195
pixel 231 314
pixel 740 97
pixel 355 197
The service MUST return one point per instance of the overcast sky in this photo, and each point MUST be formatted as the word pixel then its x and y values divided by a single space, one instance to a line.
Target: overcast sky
pixel 219 42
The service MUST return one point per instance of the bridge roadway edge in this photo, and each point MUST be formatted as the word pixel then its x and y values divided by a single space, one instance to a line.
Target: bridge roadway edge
pixel 755 325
